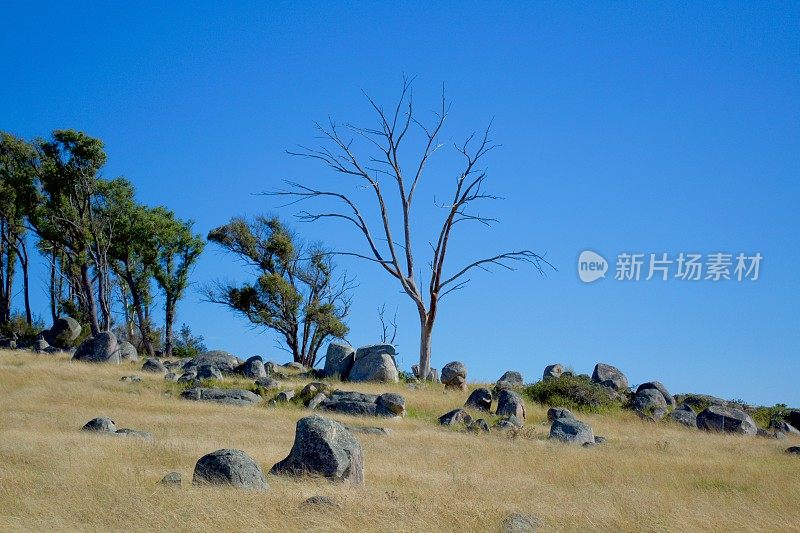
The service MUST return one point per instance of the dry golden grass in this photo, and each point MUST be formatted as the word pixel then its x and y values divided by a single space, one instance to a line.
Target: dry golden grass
pixel 420 478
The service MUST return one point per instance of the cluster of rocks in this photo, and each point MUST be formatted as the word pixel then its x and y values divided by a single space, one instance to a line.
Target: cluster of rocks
pixel 105 348
pixel 375 362
pixel 356 403
pixel 322 448
pixel 510 404
pixel 104 424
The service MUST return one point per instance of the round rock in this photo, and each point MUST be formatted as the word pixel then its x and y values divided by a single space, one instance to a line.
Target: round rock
pixel 229 467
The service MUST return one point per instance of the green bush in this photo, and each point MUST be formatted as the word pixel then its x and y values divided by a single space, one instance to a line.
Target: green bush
pixel 573 392
pixel 764 415
pixel 18 326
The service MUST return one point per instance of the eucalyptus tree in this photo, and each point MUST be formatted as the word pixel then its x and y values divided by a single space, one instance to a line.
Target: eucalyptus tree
pixel 17 174
pixel 177 250
pixel 68 175
pixel 295 291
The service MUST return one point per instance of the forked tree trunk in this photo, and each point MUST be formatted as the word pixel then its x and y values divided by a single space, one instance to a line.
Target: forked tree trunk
pixel 91 306
pixel 144 325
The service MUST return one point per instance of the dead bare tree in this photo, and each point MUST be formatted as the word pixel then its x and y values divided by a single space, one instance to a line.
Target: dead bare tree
pixel 398 259
pixel 388 327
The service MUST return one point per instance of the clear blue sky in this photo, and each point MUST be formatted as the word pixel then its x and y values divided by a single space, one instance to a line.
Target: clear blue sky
pixel 657 127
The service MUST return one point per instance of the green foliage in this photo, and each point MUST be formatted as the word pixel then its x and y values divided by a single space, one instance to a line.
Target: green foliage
pixel 294 292
pixel 763 416
pixel 573 392
pixel 18 325
pixel 187 344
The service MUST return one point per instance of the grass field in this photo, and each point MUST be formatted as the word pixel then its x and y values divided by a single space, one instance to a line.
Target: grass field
pixel 421 477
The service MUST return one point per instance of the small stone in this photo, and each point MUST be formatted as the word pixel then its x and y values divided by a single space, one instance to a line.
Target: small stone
pixel 173 479
pixel 320 501
pixel 127 432
pixel 101 424
pixel 520 523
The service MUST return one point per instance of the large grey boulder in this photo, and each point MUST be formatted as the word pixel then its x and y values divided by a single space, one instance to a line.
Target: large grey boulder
pixel 455 417
pixel 357 403
pixel 375 349
pixel 552 371
pixel 350 407
pixel 153 365
pixel 323 447
pixel 253 368
pixel 650 402
pixel 64 332
pixel 127 351
pixel 512 377
pixel 339 359
pixel 102 348
pixel 378 367
pixel 726 420
pixel 510 403
pixel 224 361
pixel 571 431
pixel 391 404
pixel 229 467
pixel 684 415
pixel 454 375
pixel 660 388
pixel 609 376
pixel 208 372
pixel 480 399
pixel 226 396
pixel 101 424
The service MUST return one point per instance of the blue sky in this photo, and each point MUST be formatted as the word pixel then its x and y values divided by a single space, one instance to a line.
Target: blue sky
pixel 653 128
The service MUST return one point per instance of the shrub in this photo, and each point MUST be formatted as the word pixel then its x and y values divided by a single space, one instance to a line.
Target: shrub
pixel 18 326
pixel 188 345
pixel 573 392
pixel 763 416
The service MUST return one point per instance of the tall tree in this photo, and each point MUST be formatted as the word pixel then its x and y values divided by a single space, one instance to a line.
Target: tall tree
pixel 68 173
pixel 134 251
pixel 177 251
pixel 295 292
pixel 17 174
pixel 376 162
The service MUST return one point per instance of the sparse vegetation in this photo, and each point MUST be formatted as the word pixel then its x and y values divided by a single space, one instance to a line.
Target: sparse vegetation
pixel 573 392
pixel 56 477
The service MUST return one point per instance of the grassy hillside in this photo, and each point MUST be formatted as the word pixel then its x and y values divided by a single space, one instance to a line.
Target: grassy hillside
pixel 421 477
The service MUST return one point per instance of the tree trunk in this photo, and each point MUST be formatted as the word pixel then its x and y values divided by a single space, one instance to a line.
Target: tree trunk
pixel 11 263
pixel 91 306
pixel 426 333
pixel 144 326
pixel 23 259
pixel 169 319
pixel 103 295
pixel 53 289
